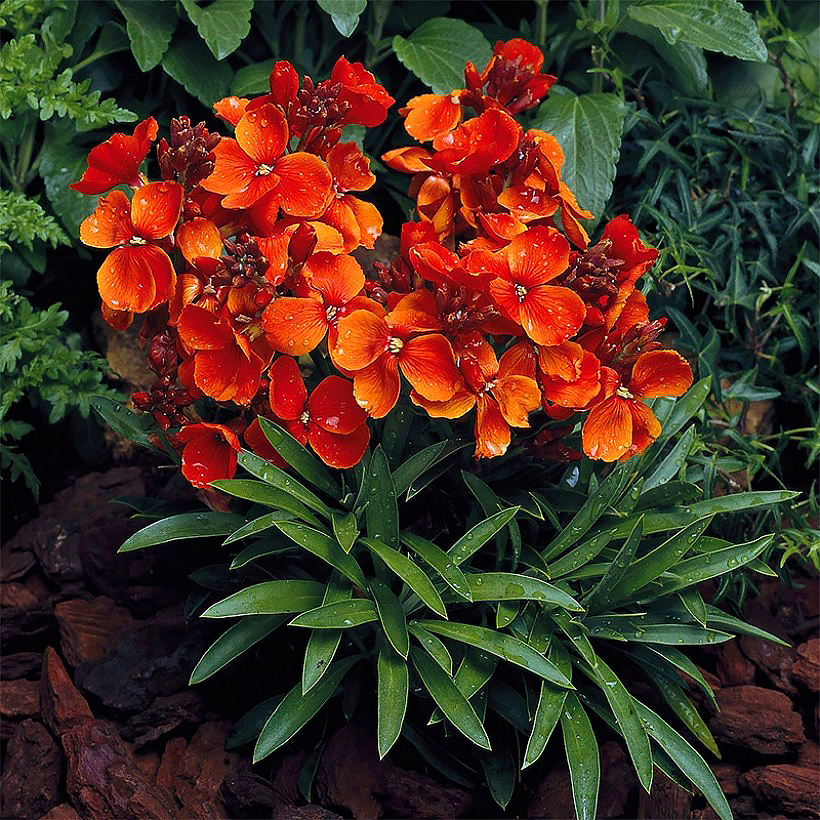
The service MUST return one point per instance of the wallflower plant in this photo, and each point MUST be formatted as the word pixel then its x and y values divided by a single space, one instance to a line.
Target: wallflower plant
pixel 385 510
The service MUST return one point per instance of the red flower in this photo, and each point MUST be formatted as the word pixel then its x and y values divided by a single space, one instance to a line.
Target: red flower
pixel 329 419
pixel 430 115
pixel 366 100
pixel 136 276
pixel 255 164
pixel 117 160
pixel 208 454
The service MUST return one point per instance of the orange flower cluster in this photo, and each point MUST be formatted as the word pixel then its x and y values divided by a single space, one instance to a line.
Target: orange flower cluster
pixel 240 255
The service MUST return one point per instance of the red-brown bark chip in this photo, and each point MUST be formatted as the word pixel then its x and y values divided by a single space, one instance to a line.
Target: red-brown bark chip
pixel 65 811
pixel 19 698
pixel 806 669
pixel 62 705
pixel 88 629
pixel 786 788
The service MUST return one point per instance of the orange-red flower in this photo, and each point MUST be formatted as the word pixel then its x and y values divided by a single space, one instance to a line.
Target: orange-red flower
pixel 375 347
pixel 430 115
pixel 365 100
pixel 136 276
pixel 548 314
pixel 117 160
pixel 255 164
pixel 621 424
pixel 208 453
pixel 329 419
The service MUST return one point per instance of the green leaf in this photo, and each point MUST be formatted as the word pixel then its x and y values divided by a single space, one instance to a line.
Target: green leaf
pixel 339 615
pixel 248 727
pixel 456 708
pixel 502 645
pixel 438 51
pixel 262 493
pixel 672 463
pixel 736 502
pixel 178 527
pixel 261 548
pixel 414 467
pixel 547 713
pixel 581 747
pixel 686 711
pixel 435 647
pixel 382 511
pixel 638 629
pixel 716 25
pixel 346 530
pixel 500 771
pixel 150 25
pixel 600 593
pixel 296 709
pixel 191 64
pixel 686 758
pixel 476 537
pixel 252 79
pixel 324 547
pixel 344 14
pixel 61 163
pixel 303 462
pixel 580 555
pixel 123 420
pixel 233 642
pixel 652 655
pixel 588 128
pixel 269 598
pixel 255 526
pixel 510 586
pixel 391 698
pixel 440 561
pixel 410 573
pixel 322 644
pixel 222 24
pixel 391 616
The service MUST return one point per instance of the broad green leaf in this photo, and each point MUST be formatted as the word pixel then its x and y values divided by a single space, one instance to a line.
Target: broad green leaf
pixel 672 463
pixel 269 598
pixel 391 616
pixel 303 462
pixel 510 586
pixel 296 709
pixel 476 537
pixel 456 708
pixel 61 163
pixel 434 646
pixel 391 698
pixel 500 771
pixel 150 26
pixel 322 644
pixel 588 128
pixel 324 547
pixel 715 25
pixel 191 64
pixel 278 478
pixel 686 758
pixel 346 530
pixel 344 14
pixel 382 512
pixel 659 560
pixel 339 615
pixel 581 747
pixel 178 527
pixel 622 564
pixel 222 24
pixel 623 708
pixel 263 493
pixel 252 79
pixel 410 573
pixel 233 642
pixel 589 513
pixel 440 561
pixel 439 49
pixel 500 644
pixel 255 526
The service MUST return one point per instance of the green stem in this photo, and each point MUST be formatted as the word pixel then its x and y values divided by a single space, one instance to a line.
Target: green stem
pixel 541 22
pixel 598 52
pixel 379 9
pixel 24 158
pixel 302 10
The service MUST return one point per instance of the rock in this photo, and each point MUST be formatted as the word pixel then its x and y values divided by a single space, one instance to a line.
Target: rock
pixel 248 795
pixel 149 660
pixel 88 629
pixel 20 665
pixel 16 596
pixel 785 788
pixel 309 812
pixel 148 763
pixel 27 628
pixel 62 812
pixel 20 698
pixel 727 775
pixel 286 779
pixel 553 797
pixel 164 715
pixel 762 720
pixel 125 354
pixel 809 755
pixel 201 769
pixel 732 666
pixel 666 799
pixel 104 781
pixel 32 772
pixel 63 706
pixel 806 669
pixel 350 776
pixel 169 764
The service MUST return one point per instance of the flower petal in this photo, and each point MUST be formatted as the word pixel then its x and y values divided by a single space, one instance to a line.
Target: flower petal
pixel 208 454
pixel 263 134
pixel 607 431
pixel 660 373
pixel 350 167
pixel 110 223
pixel 362 338
pixel 199 238
pixel 492 433
pixel 430 115
pixel 340 451
pixel 645 427
pixel 427 362
pixel 550 315
pixel 517 397
pixel 537 256
pixel 337 278
pixel 288 394
pixel 304 185
pixel 293 325
pixel 376 387
pixel 135 278
pixel 333 407
pixel 462 401
pixel 577 392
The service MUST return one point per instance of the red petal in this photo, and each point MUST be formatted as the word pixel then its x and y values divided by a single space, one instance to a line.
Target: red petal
pixel 263 134
pixel 110 223
pixel 350 167
pixel 550 315
pixel 368 219
pixel 430 115
pixel 578 392
pixel 333 407
pixel 199 238
pixel 200 329
pixel 537 256
pixel 295 326
pixel 362 338
pixel 304 186
pixel 409 160
pixel 155 209
pixel 376 387
pixel 561 361
pixel 660 373
pixel 492 433
pixel 645 427
pixel 337 278
pixel 288 394
pixel 230 109
pixel 258 442
pixel 209 453
pixel 135 278
pixel 607 431
pixel 234 172
pixel 427 363
pixel 340 451
pixel 517 397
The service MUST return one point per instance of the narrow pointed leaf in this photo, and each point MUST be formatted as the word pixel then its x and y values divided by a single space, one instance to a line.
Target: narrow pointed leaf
pixel 475 538
pixel 324 547
pixel 434 646
pixel 257 525
pixel 617 569
pixel 672 463
pixel 259 549
pixel 581 747
pixel 179 527
pixel 440 561
pixel 382 512
pixel 510 586
pixel 346 530
pixel 338 615
pixel 261 492
pixel 391 616
pixel 323 643
pixel 269 598
pixel 391 698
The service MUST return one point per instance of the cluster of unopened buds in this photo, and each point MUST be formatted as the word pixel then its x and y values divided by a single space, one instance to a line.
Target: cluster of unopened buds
pixel 496 306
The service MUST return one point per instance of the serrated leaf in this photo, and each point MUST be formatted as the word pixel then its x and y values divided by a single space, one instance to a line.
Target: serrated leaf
pixel 191 64
pixel 439 49
pixel 344 14
pixel 222 24
pixel 583 759
pixel 269 598
pixel 150 25
pixel 716 25
pixel 252 79
pixel 178 527
pixel 588 128
pixel 393 681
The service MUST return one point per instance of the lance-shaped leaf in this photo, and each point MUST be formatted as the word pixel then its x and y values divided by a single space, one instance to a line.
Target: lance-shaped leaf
pixel 476 537
pixel 346 530
pixel 391 698
pixel 262 493
pixel 617 569
pixel 269 598
pixel 581 747
pixel 440 561
pixel 324 547
pixel 382 512
pixel 550 705
pixel 511 586
pixel 323 643
pixel 391 616
pixel 433 645
pixel 257 525
pixel 179 527
pixel 338 615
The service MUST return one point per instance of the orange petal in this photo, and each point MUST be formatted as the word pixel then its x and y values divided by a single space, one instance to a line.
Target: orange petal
pixel 198 238
pixel 128 278
pixel 350 167
pixel 288 394
pixel 561 361
pixel 607 431
pixel 629 309
pixel 337 278
pixel 537 256
pixel 519 360
pixel 517 397
pixel 333 407
pixel 155 209
pixel 376 387
pixel 294 325
pixel 550 315
pixel 645 427
pixel 578 392
pixel 304 186
pixel 234 171
pixel 110 223
pixel 462 402
pixel 340 451
pixel 430 115
pixel 263 134
pixel 492 433
pixel 216 372
pixel 230 109
pixel 660 373
pixel 527 204
pixel 209 453
pixel 362 338
pixel 428 364
pixel 200 329
pixel 368 219
pixel 410 160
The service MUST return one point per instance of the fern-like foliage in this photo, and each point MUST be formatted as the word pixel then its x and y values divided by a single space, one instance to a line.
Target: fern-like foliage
pixel 23 220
